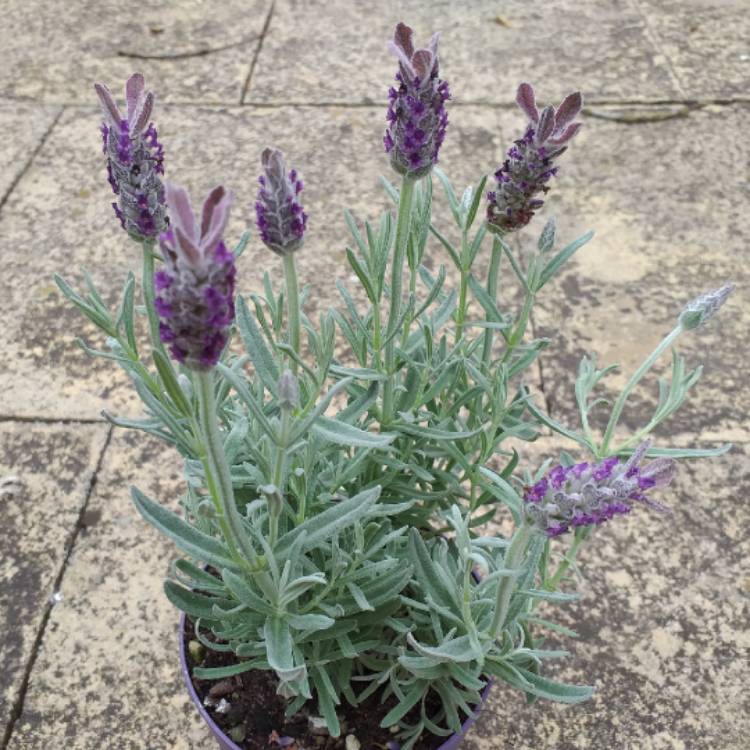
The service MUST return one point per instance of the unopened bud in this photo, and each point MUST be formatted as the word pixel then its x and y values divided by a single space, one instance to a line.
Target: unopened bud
pixel 288 391
pixel 703 308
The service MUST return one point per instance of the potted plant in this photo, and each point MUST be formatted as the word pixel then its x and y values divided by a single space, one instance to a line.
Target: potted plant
pixel 338 583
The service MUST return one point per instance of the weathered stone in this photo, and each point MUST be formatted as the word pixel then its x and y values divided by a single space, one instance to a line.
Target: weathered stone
pixel 188 52
pixel 706 42
pixel 51 467
pixel 486 51
pixel 24 126
pixel 108 664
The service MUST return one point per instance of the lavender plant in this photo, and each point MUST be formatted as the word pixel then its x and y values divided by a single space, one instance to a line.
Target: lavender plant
pixel 334 525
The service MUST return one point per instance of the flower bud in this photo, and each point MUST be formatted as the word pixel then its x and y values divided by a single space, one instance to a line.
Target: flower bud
pixel 703 308
pixel 195 290
pixel 288 391
pixel 417 119
pixel 528 166
pixel 135 160
pixel 280 218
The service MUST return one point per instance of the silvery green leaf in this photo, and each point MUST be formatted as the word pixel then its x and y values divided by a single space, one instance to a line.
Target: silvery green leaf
pixel 554 265
pixel 195 543
pixel 322 526
pixel 259 354
pixel 333 431
pixel 239 248
pixel 310 622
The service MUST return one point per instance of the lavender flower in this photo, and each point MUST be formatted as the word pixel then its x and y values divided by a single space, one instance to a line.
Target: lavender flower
pixel 195 290
pixel 703 308
pixel 590 494
pixel 417 119
pixel 280 218
pixel 135 160
pixel 529 163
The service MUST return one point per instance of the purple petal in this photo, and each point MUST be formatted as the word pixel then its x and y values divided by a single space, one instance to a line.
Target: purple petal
pixel 133 92
pixel 143 115
pixel 568 110
pixel 546 124
pixel 215 217
pixel 526 100
pixel 180 210
pixel 187 247
pixel 108 104
pixel 566 135
pixel 423 62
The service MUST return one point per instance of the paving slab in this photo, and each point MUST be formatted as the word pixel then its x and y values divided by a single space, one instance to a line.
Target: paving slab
pixel 707 43
pixel 189 51
pixel 316 52
pixel 663 237
pixel 45 471
pixel 662 622
pixel 26 124
pixel 59 219
pixel 107 673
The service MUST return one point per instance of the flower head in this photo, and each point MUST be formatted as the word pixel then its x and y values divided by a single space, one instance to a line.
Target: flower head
pixel 195 290
pixel 703 308
pixel 590 494
pixel 280 218
pixel 529 164
pixel 135 160
pixel 417 119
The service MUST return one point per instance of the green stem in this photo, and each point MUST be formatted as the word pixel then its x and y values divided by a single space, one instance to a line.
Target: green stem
pixel 293 308
pixel 634 380
pixel 279 478
pixel 397 271
pixel 149 295
pixel 511 562
pixel 495 258
pixel 217 462
pixel 552 583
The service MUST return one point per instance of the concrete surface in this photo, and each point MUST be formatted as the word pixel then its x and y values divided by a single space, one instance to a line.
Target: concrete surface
pixel 660 171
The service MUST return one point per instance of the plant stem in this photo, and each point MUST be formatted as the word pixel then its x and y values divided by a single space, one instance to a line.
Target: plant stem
pixel 634 380
pixel 279 479
pixel 149 295
pixel 552 583
pixel 495 258
pixel 397 270
pixel 293 309
pixel 217 462
pixel 511 562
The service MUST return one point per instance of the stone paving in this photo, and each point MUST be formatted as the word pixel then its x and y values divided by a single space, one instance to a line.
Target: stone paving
pixel 660 170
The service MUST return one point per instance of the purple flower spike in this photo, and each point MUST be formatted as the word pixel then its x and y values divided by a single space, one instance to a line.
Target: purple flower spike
pixel 280 218
pixel 529 164
pixel 417 119
pixel 135 160
pixel 195 290
pixel 590 494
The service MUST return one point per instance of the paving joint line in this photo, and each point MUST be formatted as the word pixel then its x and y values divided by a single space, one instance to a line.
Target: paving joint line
pixel 42 419
pixel 256 56
pixel 20 701
pixel 33 156
pixel 694 102
pixel 653 37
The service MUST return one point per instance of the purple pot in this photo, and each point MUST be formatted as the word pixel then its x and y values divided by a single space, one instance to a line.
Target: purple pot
pixel 226 744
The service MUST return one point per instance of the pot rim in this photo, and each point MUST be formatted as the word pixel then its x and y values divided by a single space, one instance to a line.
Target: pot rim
pixel 451 743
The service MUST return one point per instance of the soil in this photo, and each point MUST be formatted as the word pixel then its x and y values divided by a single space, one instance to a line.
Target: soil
pixel 252 714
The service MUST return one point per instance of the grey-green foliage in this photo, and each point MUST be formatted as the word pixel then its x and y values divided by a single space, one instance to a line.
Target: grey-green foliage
pixel 368 582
